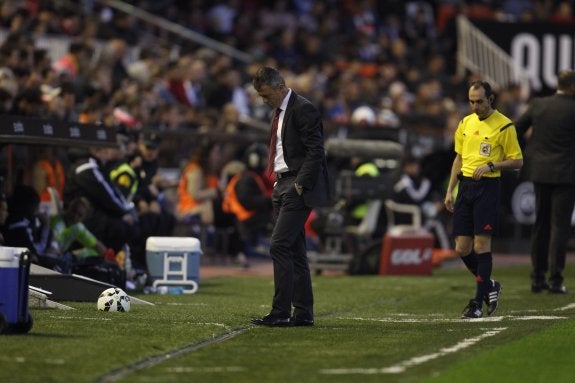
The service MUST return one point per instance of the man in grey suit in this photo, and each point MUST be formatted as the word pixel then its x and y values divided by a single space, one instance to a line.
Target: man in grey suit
pixel 549 124
pixel 298 162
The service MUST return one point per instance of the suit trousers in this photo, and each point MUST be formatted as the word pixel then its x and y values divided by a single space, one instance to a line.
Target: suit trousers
pixel 292 279
pixel 553 208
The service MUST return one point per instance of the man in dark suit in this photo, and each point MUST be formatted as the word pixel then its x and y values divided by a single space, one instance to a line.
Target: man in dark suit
pixel 549 123
pixel 297 159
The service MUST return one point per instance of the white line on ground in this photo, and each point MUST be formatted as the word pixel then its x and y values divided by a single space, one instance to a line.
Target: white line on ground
pixel 537 317
pixel 186 370
pixel 21 359
pixel 76 318
pixel 568 307
pixel 417 360
pixel 455 320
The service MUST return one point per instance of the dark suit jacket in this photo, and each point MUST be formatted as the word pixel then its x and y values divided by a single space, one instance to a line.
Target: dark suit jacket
pixel 303 149
pixel 550 151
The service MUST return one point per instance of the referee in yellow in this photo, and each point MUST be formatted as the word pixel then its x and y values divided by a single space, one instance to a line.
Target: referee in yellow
pixel 485 143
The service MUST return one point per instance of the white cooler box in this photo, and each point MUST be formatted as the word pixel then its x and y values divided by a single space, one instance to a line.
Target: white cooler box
pixel 174 261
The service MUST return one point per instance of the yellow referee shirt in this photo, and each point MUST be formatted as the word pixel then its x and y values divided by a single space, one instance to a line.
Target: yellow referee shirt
pixel 482 141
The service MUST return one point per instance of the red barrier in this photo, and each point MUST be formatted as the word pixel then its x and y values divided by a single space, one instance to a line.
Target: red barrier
pixel 406 254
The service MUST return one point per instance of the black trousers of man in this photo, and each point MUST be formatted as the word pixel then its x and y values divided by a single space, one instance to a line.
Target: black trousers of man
pixel 292 279
pixel 553 208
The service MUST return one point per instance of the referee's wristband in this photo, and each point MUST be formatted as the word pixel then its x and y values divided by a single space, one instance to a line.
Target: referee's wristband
pixel 491 166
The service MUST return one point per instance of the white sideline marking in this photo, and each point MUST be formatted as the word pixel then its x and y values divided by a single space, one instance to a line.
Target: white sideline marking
pixel 21 359
pixel 568 307
pixel 537 317
pixel 186 370
pixel 456 320
pixel 417 360
pixel 84 318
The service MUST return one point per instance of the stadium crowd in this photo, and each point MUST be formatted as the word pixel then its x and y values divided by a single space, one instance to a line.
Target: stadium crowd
pixel 369 65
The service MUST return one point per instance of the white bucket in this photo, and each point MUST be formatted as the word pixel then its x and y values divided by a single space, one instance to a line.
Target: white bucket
pixel 185 244
pixel 10 256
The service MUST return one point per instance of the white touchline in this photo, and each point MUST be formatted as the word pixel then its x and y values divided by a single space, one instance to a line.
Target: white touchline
pixel 568 307
pixel 187 370
pixel 417 360
pixel 457 320
pixel 78 318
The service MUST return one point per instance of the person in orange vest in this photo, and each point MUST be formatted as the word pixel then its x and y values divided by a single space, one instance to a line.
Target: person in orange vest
pixel 198 185
pixel 248 197
pixel 48 172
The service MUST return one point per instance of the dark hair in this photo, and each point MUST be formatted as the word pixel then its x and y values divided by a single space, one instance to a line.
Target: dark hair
pixel 267 76
pixel 482 84
pixel 489 94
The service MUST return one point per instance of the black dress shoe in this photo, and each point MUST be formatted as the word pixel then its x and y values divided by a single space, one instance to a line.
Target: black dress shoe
pixel 300 322
pixel 539 287
pixel 557 289
pixel 271 321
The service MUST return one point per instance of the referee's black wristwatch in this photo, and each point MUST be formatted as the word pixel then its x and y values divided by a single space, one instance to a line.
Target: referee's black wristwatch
pixel 491 166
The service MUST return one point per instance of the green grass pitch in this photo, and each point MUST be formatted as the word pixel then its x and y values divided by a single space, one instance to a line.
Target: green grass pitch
pixel 368 329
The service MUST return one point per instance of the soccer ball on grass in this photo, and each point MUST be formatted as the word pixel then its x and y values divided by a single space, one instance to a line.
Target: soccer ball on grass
pixel 114 299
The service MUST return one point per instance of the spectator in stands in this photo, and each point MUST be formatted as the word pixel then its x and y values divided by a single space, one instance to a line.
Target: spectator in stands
pixel 248 197
pixel 121 26
pixel 359 209
pixel 70 65
pixel 563 13
pixel 228 240
pixel 186 81
pixel 198 185
pixel 8 85
pixel 27 227
pixel 87 255
pixel 126 177
pixel 73 237
pixel 48 172
pixel 413 188
pixel 28 103
pixel 110 72
pixel 112 219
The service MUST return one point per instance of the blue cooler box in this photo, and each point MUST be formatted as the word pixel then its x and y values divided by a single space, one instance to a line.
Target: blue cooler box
pixel 14 273
pixel 174 261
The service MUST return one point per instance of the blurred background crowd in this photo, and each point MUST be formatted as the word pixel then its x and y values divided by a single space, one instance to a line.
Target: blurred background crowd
pixel 375 69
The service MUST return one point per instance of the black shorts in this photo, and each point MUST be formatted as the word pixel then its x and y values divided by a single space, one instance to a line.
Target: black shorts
pixel 476 209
